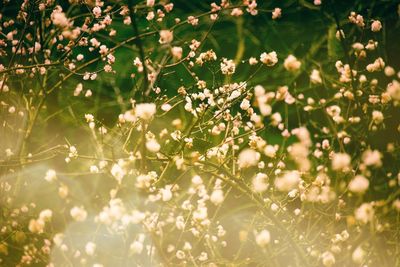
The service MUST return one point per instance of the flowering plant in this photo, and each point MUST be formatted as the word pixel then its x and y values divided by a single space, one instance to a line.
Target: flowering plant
pixel 157 133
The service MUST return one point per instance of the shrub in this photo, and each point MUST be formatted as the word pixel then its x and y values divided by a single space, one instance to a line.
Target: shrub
pixel 237 133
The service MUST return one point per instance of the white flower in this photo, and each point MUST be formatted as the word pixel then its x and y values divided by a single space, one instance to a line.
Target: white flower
pixel 341 162
pixel 276 118
pixel 263 238
pixel 94 169
pixel 377 117
pixel 51 175
pixel 150 3
pixel 88 93
pixel 359 184
pixel 315 77
pixel 274 207
pixel 59 19
pixel 136 247
pixel 248 158
pixel 201 213
pixel 269 59
pixel 328 259
pixel 166 193
pixel 166 107
pixel 176 52
pixel 78 89
pixel 377 65
pixel 145 111
pixel 358 255
pixel 196 180
pixel 117 172
pixel 372 158
pixel 365 213
pixel 277 13
pixel 291 63
pixel 166 36
pixel 357 19
pixel 90 248
pixel 97 11
pixel 234 94
pixel 36 226
pixel 79 214
pixel 145 180
pixel 228 67
pixel 180 254
pixel 89 117
pixel 389 71
pixel 63 191
pixel 270 151
pixel 288 181
pixel 376 26
pixel 297 212
pixel 259 183
pixel 393 89
pixel 253 61
pixel 217 197
pixel 45 215
pixel 203 256
pixel 153 146
pixel 138 63
pixel 245 105
pixel 317 2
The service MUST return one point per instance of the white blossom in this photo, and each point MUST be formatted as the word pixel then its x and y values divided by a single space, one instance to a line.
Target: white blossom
pixel 341 161
pixel 263 238
pixel 79 214
pixel 365 213
pixel 51 175
pixel 248 158
pixel 269 59
pixel 287 181
pixel 145 111
pixel 359 184
pixel 291 63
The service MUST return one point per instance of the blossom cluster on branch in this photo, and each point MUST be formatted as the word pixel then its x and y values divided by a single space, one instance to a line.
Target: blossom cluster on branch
pixel 130 136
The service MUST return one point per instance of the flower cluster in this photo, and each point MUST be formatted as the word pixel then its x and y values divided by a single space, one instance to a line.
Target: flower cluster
pixel 126 139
